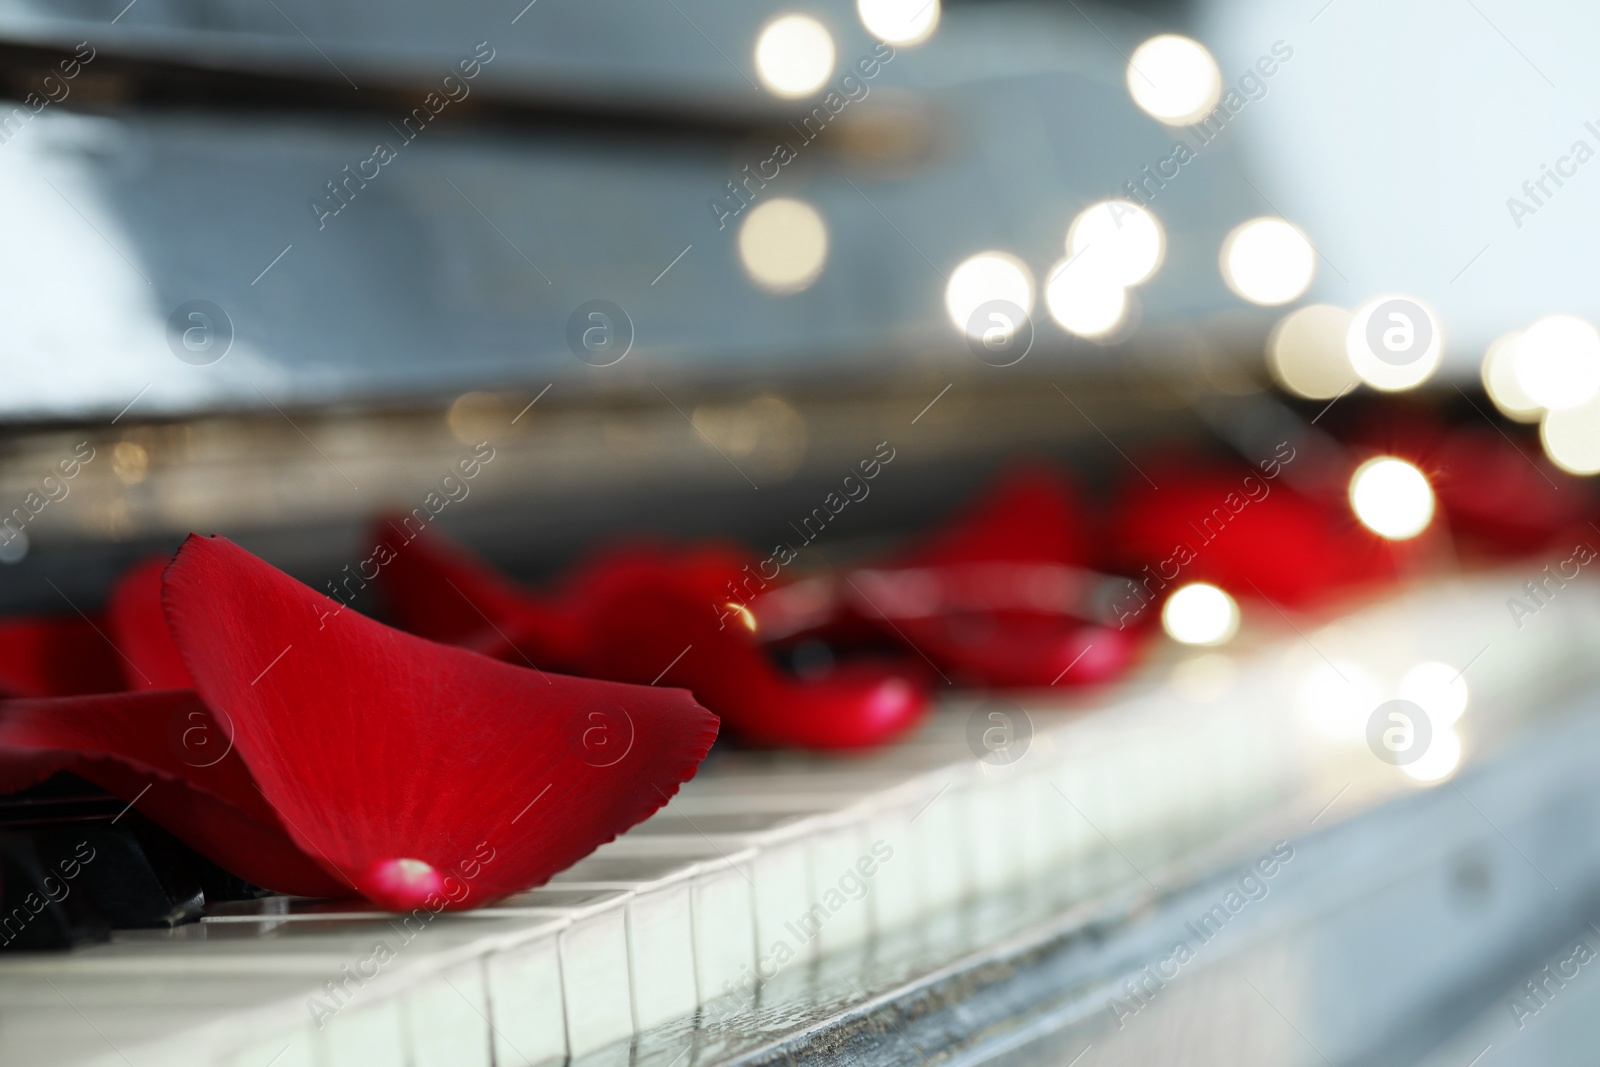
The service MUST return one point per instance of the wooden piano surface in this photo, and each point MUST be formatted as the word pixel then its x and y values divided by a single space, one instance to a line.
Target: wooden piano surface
pixel 777 888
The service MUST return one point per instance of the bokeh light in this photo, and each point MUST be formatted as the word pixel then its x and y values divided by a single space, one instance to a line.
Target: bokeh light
pixel 1083 299
pixel 982 278
pixel 1392 498
pixel 1119 238
pixel 1268 261
pixel 783 244
pixel 1439 761
pixel 1174 79
pixel 901 22
pixel 1394 342
pixel 794 55
pixel 1335 698
pixel 1306 352
pixel 1438 689
pixel 1200 614
pixel 1500 380
pixel 1571 437
pixel 1556 362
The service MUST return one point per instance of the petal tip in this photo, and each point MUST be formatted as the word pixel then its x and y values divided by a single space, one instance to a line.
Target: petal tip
pixel 402 884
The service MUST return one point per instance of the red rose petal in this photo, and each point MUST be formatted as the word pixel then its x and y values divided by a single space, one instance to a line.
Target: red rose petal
pixel 614 616
pixel 662 636
pixel 442 593
pixel 136 746
pixel 1509 499
pixel 1037 630
pixel 1225 524
pixel 139 627
pixel 56 657
pixel 1031 514
pixel 375 746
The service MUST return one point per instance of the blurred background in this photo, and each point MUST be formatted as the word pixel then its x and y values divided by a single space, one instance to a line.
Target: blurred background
pixel 273 267
pixel 280 269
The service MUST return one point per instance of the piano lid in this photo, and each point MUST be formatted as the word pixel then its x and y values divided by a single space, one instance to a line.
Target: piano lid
pixel 201 255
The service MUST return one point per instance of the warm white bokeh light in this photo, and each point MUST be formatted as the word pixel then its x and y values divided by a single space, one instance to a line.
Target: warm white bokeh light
pixel 984 277
pixel 1118 237
pixel 1500 380
pixel 1392 498
pixel 1335 699
pixel 783 244
pixel 1394 342
pixel 901 22
pixel 1083 299
pixel 1571 438
pixel 1306 352
pixel 1268 261
pixel 1441 759
pixel 1200 614
pixel 1174 79
pixel 1438 689
pixel 794 55
pixel 1556 362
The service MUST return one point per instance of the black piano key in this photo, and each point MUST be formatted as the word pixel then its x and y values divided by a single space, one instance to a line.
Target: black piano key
pixel 40 906
pixel 139 875
pixel 133 873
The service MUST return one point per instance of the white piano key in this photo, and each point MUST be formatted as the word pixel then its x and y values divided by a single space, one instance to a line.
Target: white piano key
pixel 659 924
pixel 661 955
pixel 723 907
pixel 1032 802
pixel 837 915
pixel 936 830
pixel 595 980
pixel 895 898
pixel 289 1049
pixel 1081 787
pixel 447 1019
pixel 368 1034
pixel 782 887
pixel 526 1004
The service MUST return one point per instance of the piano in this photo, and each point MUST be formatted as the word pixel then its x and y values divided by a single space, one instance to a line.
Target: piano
pixel 262 324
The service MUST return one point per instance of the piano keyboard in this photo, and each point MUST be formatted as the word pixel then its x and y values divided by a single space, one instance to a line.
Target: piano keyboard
pixel 704 923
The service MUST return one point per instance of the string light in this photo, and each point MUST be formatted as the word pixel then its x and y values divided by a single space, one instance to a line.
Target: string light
pixel 1119 238
pixel 1306 352
pixel 794 55
pixel 1200 614
pixel 1392 498
pixel 1174 79
pixel 984 279
pixel 1556 362
pixel 901 22
pixel 783 244
pixel 1268 261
